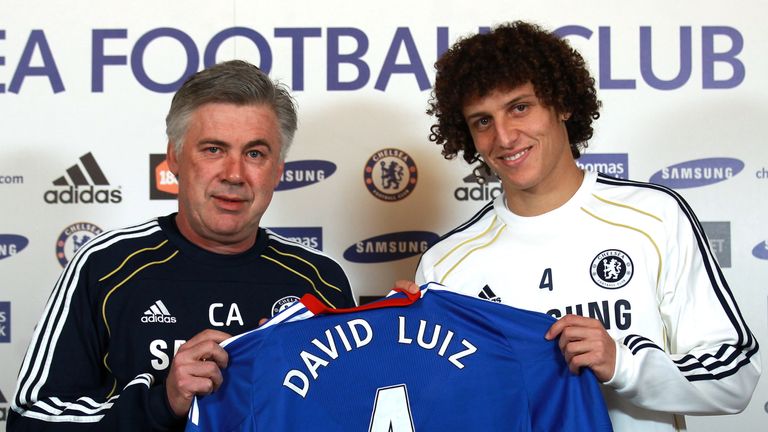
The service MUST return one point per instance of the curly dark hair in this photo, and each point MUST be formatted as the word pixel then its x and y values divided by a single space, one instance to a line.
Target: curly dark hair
pixel 509 56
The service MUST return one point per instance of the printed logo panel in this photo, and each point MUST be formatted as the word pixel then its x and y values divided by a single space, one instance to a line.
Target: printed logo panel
pixel 283 304
pixel 479 186
pixel 72 238
pixel 83 183
pixel 696 173
pixel 11 244
pixel 612 269
pixel 308 236
pixel 158 313
pixel 390 247
pixel 760 250
pixel 162 183
pixel 719 236
pixel 5 322
pixel 610 164
pixel 390 175
pixel 303 173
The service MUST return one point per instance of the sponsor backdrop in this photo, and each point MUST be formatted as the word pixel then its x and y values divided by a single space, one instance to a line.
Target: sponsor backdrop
pixel 85 86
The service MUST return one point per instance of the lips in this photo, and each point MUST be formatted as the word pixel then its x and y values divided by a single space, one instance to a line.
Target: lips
pixel 227 202
pixel 515 156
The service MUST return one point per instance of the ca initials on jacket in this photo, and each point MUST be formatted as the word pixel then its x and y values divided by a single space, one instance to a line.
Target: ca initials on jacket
pixel 219 315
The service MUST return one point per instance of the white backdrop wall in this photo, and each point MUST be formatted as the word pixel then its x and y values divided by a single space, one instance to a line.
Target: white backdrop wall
pixel 684 88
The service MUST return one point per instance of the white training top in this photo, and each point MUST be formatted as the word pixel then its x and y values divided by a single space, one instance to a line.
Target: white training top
pixel 634 256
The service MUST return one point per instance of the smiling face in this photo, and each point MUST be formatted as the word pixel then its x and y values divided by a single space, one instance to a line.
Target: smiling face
pixel 526 144
pixel 228 168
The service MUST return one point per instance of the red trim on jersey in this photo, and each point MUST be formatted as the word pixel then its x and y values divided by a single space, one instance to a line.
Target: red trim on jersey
pixel 317 307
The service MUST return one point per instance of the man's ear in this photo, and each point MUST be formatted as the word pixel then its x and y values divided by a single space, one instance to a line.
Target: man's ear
pixel 170 157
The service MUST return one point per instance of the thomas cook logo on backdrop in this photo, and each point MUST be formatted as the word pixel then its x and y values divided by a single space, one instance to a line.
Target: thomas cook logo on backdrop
pixel 390 174
pixel 308 236
pixel 83 183
pixel 302 173
pixel 719 236
pixel 700 172
pixel 11 244
pixel 486 187
pixel 5 322
pixel 73 238
pixel 162 182
pixel 760 250
pixel 611 164
pixel 390 247
pixel 612 269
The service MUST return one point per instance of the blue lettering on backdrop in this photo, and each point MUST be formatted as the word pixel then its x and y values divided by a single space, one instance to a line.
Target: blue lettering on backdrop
pixel 24 68
pixel 349 66
pixel 99 59
pixel 265 53
pixel 297 36
pixel 416 67
pixel 646 60
pixel 335 58
pixel 709 58
pixel 137 58
pixel 2 60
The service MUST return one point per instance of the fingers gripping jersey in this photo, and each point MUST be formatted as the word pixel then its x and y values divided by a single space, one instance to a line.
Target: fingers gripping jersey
pixel 445 362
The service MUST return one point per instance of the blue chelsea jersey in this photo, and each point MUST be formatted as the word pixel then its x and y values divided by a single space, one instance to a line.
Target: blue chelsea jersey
pixel 438 361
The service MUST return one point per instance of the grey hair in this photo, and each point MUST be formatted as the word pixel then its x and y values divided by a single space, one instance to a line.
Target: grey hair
pixel 235 82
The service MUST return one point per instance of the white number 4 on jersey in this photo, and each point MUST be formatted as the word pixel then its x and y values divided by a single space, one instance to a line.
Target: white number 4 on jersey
pixel 391 410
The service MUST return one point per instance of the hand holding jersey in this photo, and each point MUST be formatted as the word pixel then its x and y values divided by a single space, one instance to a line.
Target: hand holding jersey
pixel 584 342
pixel 196 369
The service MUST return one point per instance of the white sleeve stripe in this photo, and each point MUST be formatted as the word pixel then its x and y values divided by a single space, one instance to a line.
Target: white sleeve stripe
pixel 60 407
pixel 62 419
pixel 69 292
pixel 45 337
pixel 83 410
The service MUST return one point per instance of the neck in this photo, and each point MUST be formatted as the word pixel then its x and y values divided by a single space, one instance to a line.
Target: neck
pixel 224 245
pixel 546 196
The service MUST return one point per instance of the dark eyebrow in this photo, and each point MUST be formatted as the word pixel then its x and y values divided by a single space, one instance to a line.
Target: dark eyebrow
pixel 515 100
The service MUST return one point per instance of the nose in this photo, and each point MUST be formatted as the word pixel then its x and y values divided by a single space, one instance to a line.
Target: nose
pixel 233 169
pixel 507 132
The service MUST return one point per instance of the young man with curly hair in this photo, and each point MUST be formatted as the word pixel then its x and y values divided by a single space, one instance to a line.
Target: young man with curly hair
pixel 624 265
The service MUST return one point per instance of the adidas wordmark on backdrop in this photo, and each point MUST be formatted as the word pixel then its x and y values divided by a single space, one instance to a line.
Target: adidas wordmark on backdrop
pixel 445 362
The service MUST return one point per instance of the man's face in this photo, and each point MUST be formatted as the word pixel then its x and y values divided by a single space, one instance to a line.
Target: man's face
pixel 522 140
pixel 228 168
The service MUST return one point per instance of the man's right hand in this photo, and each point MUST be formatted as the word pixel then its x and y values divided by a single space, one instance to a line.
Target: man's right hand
pixel 196 369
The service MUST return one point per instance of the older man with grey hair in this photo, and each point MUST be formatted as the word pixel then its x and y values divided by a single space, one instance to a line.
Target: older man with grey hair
pixel 132 328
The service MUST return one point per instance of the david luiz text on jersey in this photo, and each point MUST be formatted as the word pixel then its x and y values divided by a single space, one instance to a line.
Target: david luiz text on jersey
pixel 357 333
